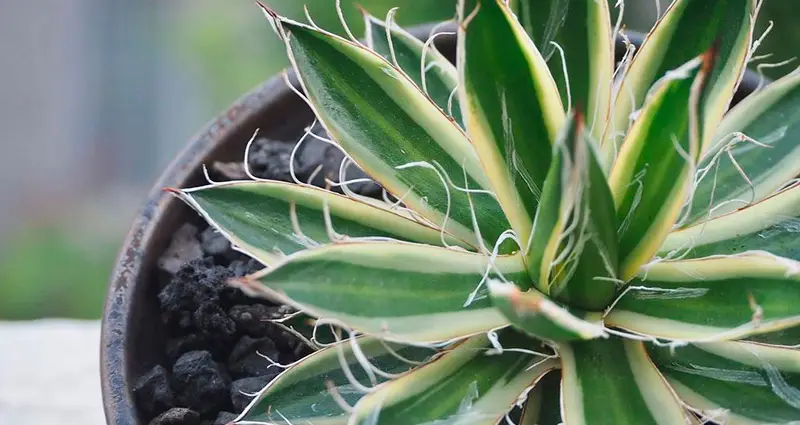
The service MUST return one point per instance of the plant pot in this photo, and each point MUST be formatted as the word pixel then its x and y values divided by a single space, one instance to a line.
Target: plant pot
pixel 133 336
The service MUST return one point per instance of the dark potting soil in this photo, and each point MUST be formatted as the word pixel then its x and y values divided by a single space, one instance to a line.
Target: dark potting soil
pixel 217 336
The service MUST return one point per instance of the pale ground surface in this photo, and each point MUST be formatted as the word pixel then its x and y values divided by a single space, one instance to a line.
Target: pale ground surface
pixel 49 373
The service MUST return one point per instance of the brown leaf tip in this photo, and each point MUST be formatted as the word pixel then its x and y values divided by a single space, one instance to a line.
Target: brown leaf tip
pixel 710 56
pixel 268 10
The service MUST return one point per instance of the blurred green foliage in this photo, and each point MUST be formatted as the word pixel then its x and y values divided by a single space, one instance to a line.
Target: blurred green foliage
pixel 49 271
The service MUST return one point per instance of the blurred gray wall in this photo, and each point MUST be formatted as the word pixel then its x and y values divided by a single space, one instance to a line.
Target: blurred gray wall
pixel 91 103
pixel 46 87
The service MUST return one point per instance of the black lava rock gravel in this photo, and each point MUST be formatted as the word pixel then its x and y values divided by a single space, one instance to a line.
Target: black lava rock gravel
pixel 216 336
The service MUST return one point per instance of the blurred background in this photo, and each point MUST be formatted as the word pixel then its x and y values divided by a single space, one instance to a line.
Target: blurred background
pixel 96 97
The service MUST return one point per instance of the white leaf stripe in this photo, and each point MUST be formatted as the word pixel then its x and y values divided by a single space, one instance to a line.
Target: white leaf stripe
pixel 666 328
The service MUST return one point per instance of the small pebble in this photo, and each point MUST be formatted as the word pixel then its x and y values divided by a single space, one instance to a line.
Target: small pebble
pixel 224 418
pixel 152 391
pixel 177 416
pixel 201 383
pixel 247 359
pixel 213 242
pixel 242 390
pixel 184 248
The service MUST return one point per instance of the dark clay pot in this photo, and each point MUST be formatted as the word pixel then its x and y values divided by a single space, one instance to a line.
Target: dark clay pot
pixel 133 335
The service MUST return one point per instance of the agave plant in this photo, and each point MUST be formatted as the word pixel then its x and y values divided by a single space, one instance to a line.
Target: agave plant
pixel 564 238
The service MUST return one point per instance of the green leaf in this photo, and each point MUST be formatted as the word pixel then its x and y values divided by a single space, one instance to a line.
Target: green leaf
pixel 540 317
pixel 469 384
pixel 441 77
pixel 303 393
pixel 395 290
pixel 393 131
pixel 771 117
pixel 511 106
pixel 734 382
pixel 771 225
pixel 686 30
pixel 572 254
pixel 613 382
pixel 257 217
pixel 719 298
pixel 789 337
pixel 650 178
pixel 544 402
pixel 582 28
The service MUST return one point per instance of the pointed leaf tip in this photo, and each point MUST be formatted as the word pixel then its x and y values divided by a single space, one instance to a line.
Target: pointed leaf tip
pixel 710 56
pixel 269 12
pixel 361 9
pixel 707 62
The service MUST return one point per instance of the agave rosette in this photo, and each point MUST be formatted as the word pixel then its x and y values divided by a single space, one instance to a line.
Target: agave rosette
pixel 573 239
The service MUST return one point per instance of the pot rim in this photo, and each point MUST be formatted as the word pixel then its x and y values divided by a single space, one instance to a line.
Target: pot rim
pixel 131 264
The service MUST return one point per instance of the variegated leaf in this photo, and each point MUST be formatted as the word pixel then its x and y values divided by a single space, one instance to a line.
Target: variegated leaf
pixel 271 219
pixel 542 318
pixel 687 29
pixel 307 391
pixel 735 382
pixel 717 298
pixel 650 178
pixel 771 225
pixel 394 290
pixel 510 104
pixel 755 152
